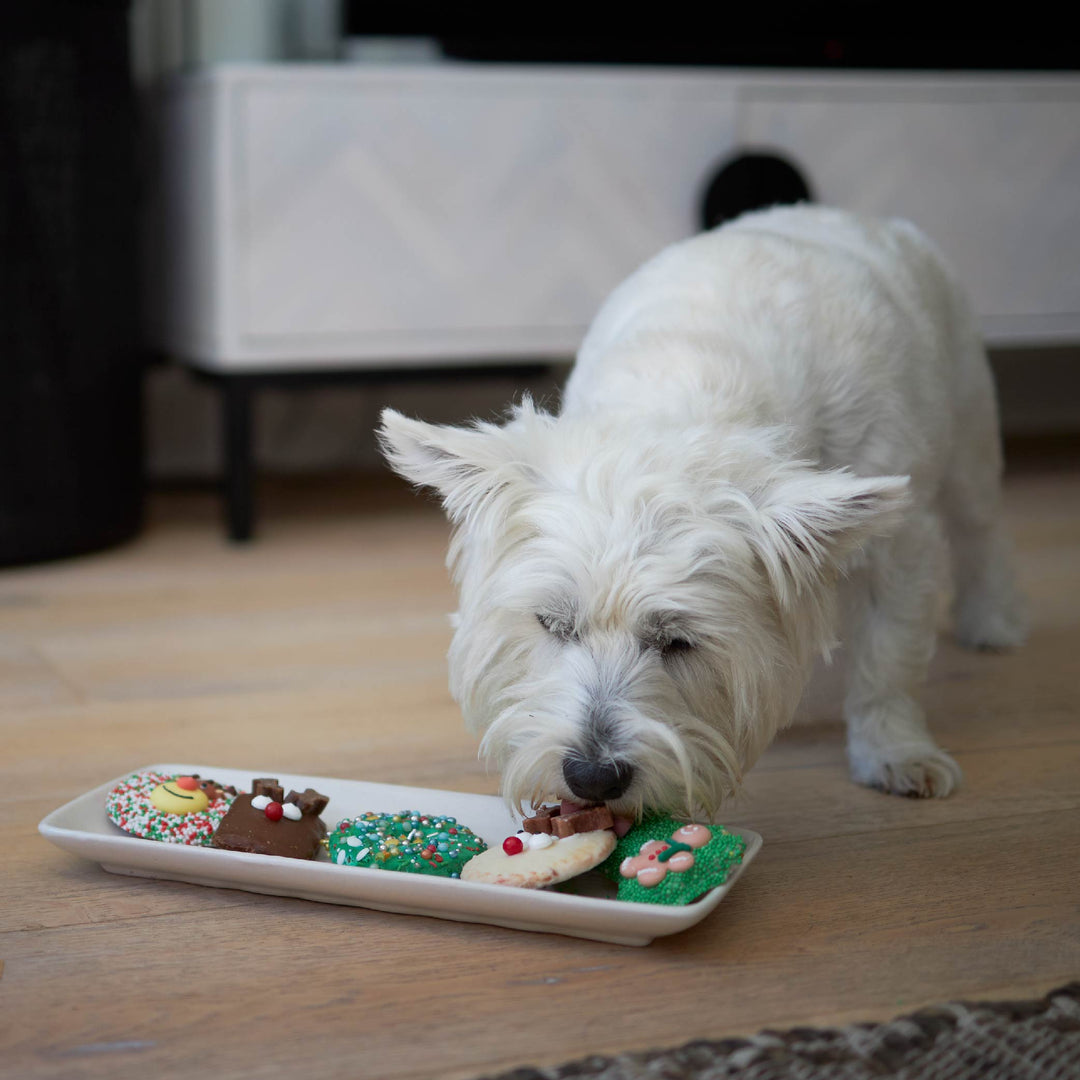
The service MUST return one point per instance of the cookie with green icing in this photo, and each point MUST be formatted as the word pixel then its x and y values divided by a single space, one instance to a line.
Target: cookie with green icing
pixel 408 841
pixel 664 861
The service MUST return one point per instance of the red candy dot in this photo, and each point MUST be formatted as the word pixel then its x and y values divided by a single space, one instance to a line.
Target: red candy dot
pixel 187 783
pixel 512 845
pixel 274 811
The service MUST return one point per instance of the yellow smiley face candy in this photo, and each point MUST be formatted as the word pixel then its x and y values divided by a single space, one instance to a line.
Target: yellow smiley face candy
pixel 180 796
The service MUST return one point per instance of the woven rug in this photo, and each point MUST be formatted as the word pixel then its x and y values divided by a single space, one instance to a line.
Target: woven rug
pixel 1016 1040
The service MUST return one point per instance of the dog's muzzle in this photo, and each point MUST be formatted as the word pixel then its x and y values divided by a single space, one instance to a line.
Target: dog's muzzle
pixel 593 781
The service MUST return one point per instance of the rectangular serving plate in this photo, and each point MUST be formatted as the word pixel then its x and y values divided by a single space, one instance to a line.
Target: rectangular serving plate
pixel 82 828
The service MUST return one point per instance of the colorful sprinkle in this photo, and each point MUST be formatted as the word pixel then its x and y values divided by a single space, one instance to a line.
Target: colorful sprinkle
pixel 406 841
pixel 128 806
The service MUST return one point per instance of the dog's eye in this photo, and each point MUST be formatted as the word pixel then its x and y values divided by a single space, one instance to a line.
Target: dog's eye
pixel 557 626
pixel 675 647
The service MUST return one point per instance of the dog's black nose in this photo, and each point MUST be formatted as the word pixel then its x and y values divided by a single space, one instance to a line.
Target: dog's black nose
pixel 593 781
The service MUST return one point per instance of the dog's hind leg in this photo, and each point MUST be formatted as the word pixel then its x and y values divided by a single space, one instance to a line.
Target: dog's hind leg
pixel 987 609
pixel 890 640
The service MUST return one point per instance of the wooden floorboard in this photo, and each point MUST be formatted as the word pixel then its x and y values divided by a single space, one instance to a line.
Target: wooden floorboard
pixel 320 649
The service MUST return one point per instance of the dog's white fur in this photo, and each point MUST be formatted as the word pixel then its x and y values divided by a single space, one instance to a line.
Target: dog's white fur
pixel 768 429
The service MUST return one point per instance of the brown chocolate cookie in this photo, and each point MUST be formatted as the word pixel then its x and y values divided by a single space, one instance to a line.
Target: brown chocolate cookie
pixel 267 822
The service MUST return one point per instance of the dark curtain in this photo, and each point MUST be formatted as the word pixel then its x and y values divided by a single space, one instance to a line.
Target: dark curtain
pixel 70 357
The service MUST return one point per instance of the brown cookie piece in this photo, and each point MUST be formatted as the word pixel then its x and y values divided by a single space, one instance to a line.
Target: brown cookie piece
pixel 266 822
pixel 582 821
pixel 541 821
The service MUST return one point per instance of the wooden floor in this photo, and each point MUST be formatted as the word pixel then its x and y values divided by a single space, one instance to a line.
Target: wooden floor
pixel 320 648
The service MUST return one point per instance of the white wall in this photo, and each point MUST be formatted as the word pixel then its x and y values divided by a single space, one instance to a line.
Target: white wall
pixel 172 35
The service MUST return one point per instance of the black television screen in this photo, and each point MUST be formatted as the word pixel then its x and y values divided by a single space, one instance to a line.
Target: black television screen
pixel 804 35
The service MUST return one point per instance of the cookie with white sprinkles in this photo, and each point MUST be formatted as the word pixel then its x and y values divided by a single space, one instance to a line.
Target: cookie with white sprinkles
pixel 408 841
pixel 170 808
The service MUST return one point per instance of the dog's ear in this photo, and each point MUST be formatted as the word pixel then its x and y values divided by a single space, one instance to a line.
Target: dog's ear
pixel 466 465
pixel 812 519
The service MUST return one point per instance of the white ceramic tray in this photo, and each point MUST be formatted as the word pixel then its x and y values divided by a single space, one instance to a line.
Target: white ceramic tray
pixel 81 827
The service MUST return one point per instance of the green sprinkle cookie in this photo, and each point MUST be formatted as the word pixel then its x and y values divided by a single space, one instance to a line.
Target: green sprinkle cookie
pixel 664 861
pixel 408 841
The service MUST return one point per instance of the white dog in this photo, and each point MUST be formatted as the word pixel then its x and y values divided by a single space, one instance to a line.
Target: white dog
pixel 767 431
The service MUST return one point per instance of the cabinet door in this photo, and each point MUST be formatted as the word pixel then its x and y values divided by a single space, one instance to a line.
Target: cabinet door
pixel 458 215
pixel 990 170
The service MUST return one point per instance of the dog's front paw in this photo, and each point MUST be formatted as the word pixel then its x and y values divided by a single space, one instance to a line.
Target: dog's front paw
pixel 989 627
pixel 922 770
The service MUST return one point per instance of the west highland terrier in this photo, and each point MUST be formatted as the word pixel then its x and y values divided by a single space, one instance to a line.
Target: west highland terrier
pixel 769 433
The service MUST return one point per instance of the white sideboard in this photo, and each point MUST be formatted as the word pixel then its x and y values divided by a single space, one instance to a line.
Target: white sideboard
pixel 335 216
pixel 332 220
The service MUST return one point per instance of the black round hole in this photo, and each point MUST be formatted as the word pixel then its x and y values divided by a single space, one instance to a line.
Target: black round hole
pixel 752 182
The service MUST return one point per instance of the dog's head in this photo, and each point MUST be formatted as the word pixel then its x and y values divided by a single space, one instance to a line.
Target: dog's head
pixel 638 613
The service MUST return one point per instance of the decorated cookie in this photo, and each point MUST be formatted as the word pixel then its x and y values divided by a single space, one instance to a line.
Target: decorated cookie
pixel 567 818
pixel 663 861
pixel 409 841
pixel 561 822
pixel 268 822
pixel 173 809
pixel 534 860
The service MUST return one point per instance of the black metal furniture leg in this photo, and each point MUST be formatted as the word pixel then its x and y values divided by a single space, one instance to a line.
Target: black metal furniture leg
pixel 238 401
pixel 236 396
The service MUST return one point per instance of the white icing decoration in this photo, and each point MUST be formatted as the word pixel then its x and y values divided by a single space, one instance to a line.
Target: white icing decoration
pixel 291 811
pixel 353 841
pixel 361 854
pixel 340 858
pixel 260 802
pixel 539 841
